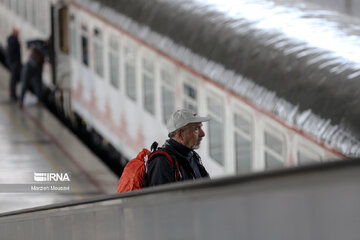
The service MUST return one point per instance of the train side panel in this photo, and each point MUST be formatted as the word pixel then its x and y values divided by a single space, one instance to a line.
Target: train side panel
pixel 125 89
pixel 130 108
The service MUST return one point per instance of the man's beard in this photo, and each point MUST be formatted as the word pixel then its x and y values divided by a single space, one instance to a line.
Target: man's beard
pixel 197 145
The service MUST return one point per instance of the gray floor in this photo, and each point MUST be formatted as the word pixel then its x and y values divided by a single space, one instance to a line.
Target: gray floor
pixel 32 140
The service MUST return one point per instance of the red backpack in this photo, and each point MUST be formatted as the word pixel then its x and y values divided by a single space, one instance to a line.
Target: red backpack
pixel 134 174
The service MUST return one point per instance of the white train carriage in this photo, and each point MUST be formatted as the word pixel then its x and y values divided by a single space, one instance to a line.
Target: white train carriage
pixel 127 77
pixel 126 89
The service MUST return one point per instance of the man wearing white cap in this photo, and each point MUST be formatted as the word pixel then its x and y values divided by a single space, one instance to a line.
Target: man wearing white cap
pixel 185 135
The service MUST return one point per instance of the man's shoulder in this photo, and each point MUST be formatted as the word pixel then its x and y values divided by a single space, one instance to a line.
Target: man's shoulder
pixel 158 162
pixel 160 154
pixel 169 148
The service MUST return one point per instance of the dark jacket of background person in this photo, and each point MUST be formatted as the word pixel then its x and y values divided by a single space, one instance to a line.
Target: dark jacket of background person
pixel 3 57
pixel 32 74
pixel 13 58
pixel 159 170
pixel 40 51
pixel 13 50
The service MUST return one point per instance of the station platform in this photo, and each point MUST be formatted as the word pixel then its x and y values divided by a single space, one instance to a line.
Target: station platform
pixel 33 145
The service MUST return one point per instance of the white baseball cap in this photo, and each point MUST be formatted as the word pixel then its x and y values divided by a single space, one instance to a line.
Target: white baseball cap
pixel 182 117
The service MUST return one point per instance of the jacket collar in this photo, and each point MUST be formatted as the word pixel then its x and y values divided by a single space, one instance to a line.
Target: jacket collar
pixel 181 149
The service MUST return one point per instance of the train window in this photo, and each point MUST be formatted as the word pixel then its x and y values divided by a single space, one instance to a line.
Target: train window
pixel 274 151
pixel 85 52
pixel 148 85
pixel 130 77
pixel 306 157
pixel 243 143
pixel 167 94
pixel 190 97
pixel 98 52
pixel 73 33
pixel 242 123
pixel 84 46
pixel 190 91
pixel 114 61
pixel 216 130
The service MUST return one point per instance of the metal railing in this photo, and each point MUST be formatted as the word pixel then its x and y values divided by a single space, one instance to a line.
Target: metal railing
pixel 313 202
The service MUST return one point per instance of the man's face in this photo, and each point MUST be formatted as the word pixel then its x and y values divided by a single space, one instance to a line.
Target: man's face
pixel 16 32
pixel 192 135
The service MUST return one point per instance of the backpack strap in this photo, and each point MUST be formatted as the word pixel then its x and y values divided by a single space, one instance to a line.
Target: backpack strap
pixel 171 160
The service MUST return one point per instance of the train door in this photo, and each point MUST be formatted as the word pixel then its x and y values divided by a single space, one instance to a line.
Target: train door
pixel 60 59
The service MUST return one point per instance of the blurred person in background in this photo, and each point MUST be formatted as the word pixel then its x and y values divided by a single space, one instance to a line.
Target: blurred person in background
pixel 13 59
pixel 32 73
pixel 3 57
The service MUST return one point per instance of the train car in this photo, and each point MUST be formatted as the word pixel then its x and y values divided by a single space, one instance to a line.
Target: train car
pixel 280 80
